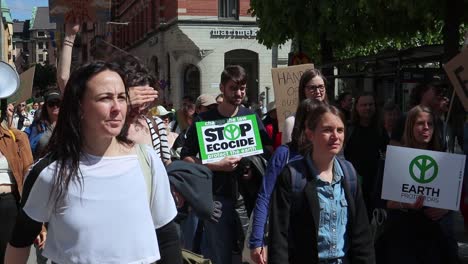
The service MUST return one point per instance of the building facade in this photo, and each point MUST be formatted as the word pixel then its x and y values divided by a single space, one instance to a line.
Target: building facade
pixel 187 43
pixel 7 34
pixel 42 38
pixel 21 45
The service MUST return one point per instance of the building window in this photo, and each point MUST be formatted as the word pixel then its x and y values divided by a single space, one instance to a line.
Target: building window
pixel 41 33
pixel 40 45
pixel 40 57
pixel 229 9
pixel 191 81
pixel 47 45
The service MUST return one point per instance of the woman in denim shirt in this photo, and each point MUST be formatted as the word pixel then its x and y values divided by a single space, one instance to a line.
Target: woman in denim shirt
pixel 278 161
pixel 324 221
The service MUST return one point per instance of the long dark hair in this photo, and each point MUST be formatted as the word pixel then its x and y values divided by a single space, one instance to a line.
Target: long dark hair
pixel 299 140
pixel 305 78
pixel 65 145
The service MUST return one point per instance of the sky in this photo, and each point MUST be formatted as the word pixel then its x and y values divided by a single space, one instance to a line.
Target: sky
pixel 22 9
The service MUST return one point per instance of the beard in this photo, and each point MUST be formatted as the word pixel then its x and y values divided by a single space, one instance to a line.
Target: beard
pixel 236 101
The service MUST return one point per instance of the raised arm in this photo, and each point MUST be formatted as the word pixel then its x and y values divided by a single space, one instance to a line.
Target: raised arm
pixel 64 65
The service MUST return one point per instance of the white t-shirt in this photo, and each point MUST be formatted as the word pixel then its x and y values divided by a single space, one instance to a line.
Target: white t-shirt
pixel 108 220
pixel 287 129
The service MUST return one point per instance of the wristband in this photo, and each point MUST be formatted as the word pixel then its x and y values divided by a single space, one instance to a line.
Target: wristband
pixel 66 41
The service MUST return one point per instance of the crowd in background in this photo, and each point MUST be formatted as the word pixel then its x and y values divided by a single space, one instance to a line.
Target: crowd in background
pixel 118 176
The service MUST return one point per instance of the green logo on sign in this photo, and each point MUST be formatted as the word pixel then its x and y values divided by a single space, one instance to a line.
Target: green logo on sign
pixel 423 169
pixel 232 132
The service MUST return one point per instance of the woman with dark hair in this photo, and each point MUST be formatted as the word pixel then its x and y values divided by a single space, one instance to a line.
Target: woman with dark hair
pixel 365 142
pixel 317 214
pixel 413 232
pixel 41 130
pixel 91 188
pixel 311 86
pixel 283 154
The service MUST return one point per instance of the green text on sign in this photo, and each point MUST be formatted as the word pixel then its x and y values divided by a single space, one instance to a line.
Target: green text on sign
pixel 237 136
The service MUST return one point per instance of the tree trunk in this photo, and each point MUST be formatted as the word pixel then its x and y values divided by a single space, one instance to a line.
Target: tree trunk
pixel 326 54
pixel 451 30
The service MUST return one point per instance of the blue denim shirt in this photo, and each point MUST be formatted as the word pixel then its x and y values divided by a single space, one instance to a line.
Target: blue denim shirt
pixel 333 214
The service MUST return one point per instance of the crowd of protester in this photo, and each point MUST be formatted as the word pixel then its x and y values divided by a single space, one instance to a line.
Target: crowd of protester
pixel 117 175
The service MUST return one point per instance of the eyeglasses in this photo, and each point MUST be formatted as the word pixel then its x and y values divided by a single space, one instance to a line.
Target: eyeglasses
pixel 315 88
pixel 53 103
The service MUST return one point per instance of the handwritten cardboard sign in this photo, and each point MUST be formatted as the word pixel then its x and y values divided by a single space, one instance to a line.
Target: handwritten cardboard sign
pixel 457 71
pixel 286 87
pixel 25 89
pixel 84 10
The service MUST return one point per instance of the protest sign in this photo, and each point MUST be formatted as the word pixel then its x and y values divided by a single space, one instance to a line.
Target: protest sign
pixel 236 136
pixel 410 173
pixel 457 71
pixel 83 10
pixel 286 87
pixel 25 89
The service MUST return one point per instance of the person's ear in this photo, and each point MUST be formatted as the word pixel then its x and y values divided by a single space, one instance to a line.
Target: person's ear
pixel 309 135
pixel 221 88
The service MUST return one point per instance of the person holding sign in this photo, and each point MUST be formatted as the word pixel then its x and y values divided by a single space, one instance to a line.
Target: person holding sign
pixel 311 86
pixel 317 213
pixel 217 239
pixel 414 233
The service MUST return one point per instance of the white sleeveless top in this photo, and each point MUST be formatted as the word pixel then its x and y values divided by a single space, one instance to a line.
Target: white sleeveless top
pixel 6 176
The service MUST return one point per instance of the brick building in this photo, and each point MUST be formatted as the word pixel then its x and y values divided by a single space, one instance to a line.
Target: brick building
pixel 187 43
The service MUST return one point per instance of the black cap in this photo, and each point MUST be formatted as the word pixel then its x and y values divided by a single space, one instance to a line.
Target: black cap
pixel 51 96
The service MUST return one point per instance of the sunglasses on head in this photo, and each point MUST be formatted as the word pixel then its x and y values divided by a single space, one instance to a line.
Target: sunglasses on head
pixel 53 103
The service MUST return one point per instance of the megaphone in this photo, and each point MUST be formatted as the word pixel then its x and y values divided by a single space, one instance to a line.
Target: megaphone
pixel 9 80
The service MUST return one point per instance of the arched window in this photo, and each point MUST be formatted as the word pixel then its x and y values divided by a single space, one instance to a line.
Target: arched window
pixel 191 81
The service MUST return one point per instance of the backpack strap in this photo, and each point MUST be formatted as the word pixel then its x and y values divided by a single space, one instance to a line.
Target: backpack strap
pixel 33 174
pixel 298 180
pixel 350 175
pixel 145 165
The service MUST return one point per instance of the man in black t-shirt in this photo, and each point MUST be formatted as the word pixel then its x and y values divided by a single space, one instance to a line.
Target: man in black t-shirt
pixel 218 239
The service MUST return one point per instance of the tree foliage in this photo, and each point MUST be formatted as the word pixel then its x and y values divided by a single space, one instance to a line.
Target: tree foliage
pixel 358 27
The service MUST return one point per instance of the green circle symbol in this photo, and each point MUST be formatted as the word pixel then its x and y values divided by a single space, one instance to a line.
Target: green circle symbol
pixel 232 132
pixel 420 169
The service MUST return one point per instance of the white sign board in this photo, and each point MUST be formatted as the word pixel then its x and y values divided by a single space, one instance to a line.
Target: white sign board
pixel 410 173
pixel 236 136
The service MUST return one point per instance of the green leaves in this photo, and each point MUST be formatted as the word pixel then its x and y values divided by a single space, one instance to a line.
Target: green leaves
pixel 353 27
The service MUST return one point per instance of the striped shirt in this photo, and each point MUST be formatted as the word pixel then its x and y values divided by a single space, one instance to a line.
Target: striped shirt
pixel 159 138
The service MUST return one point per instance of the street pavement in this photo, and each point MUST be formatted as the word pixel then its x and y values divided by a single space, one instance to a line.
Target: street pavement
pixel 460 233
